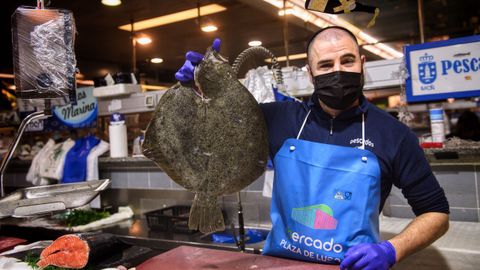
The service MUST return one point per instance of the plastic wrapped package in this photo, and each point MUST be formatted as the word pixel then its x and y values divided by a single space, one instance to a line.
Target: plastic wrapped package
pixel 43 53
pixel 259 82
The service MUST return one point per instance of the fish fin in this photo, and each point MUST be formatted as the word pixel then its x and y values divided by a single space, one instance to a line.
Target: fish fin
pixel 205 215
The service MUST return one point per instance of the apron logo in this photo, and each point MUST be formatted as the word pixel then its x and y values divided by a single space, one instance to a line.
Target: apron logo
pixel 318 216
pixel 343 195
pixel 359 141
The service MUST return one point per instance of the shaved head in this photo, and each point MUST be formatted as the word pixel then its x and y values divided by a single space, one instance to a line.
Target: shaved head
pixel 331 35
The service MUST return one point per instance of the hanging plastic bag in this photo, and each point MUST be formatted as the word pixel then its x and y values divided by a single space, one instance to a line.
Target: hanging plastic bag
pixel 43 53
pixel 259 83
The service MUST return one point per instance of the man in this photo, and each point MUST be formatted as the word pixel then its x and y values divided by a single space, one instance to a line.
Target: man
pixel 333 179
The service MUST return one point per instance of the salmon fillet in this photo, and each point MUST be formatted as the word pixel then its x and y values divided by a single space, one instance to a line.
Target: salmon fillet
pixel 69 251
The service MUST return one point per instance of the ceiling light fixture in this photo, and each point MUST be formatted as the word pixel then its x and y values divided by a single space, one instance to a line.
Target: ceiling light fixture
pixel 6 76
pixel 173 18
pixel 147 87
pixel 323 20
pixel 85 82
pixel 287 11
pixel 156 60
pixel 111 3
pixel 209 28
pixel 143 40
pixel 290 57
pixel 206 24
pixel 254 43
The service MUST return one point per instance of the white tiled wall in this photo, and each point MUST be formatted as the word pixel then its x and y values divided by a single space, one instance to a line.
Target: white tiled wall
pixel 460 182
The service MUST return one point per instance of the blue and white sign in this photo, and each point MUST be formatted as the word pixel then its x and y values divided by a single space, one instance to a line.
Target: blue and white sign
pixel 82 114
pixel 443 69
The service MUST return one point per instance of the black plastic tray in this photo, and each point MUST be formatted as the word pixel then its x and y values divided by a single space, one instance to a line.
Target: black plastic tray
pixel 170 219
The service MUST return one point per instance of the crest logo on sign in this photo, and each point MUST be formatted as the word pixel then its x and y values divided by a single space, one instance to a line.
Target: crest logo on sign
pixel 427 69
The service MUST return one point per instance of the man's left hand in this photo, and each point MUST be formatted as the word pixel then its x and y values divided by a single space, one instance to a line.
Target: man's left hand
pixel 185 73
pixel 369 256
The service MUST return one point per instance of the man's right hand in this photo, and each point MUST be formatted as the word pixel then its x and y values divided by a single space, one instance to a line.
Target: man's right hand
pixel 185 73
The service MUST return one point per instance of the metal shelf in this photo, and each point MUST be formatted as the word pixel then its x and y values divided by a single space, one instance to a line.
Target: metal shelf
pixel 458 104
pixel 134 103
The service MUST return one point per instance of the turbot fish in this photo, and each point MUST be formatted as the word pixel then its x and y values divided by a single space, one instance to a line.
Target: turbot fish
pixel 210 138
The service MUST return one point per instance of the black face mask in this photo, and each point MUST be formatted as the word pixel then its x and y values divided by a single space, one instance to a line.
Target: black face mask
pixel 338 89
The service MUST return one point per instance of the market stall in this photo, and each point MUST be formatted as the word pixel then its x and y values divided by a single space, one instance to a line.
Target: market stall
pixel 240 135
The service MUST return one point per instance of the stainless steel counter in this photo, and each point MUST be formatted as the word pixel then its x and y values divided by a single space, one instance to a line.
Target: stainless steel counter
pixel 134 232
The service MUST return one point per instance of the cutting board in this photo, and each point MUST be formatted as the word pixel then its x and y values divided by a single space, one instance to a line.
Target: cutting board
pixel 187 257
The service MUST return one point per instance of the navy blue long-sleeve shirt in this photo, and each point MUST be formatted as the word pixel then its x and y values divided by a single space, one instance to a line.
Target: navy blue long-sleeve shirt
pixel 402 161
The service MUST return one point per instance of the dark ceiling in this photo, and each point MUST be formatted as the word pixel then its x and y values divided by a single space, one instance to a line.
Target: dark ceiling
pixel 101 47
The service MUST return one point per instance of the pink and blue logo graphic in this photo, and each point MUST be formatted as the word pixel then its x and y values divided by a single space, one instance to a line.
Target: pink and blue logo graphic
pixel 318 216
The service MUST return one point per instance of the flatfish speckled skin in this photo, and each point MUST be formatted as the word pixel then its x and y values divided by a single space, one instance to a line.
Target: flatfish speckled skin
pixel 213 143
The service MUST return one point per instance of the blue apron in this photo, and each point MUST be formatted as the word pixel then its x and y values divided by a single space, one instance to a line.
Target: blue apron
pixel 325 200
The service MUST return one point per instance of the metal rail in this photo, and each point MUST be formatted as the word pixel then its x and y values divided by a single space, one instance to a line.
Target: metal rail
pixel 278 76
pixel 16 141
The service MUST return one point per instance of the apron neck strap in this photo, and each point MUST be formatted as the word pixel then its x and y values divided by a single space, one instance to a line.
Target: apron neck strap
pixel 363 128
pixel 303 125
pixel 363 131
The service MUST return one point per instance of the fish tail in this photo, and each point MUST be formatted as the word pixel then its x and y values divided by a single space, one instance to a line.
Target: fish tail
pixel 205 215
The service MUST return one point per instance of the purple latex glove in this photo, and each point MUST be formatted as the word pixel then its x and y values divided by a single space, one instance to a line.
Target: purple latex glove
pixel 369 256
pixel 185 73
